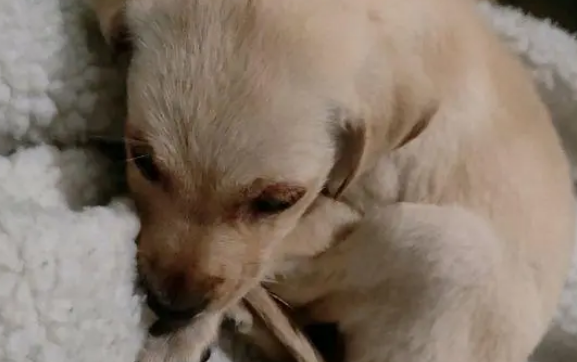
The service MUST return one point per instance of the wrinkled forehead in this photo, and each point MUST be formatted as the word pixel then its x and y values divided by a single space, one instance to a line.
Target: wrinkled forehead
pixel 232 132
pixel 237 142
pixel 212 94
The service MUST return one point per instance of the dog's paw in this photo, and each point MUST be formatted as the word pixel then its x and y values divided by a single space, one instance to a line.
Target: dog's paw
pixel 240 317
pixel 190 343
pixel 173 349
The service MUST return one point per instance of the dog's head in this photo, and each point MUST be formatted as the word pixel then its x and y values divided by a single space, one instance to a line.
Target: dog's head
pixel 237 120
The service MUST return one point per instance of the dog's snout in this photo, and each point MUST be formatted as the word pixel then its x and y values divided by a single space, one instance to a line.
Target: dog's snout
pixel 177 288
pixel 175 299
pixel 170 310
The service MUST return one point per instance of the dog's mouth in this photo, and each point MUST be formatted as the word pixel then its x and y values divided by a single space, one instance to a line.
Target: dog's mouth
pixel 169 314
pixel 168 320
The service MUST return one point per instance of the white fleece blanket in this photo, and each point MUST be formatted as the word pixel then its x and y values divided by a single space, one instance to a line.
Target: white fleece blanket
pixel 66 264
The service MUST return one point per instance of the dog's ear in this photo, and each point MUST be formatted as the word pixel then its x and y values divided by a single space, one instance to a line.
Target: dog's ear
pixel 358 145
pixel 350 136
pixel 111 19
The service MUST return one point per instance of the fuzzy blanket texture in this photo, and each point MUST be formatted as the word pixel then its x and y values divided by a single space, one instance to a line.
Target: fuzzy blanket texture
pixel 66 241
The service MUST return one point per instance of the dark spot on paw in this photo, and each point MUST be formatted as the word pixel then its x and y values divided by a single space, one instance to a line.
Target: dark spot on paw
pixel 206 355
pixel 328 340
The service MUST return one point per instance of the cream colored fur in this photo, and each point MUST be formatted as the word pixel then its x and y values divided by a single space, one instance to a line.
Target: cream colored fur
pixel 411 113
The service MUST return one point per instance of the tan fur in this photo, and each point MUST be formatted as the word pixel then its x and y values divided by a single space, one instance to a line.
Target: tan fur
pixel 289 334
pixel 411 113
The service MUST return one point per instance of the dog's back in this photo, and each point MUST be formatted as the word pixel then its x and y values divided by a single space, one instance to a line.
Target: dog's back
pixel 492 148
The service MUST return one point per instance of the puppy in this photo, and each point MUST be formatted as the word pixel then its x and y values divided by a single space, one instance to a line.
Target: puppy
pixel 409 112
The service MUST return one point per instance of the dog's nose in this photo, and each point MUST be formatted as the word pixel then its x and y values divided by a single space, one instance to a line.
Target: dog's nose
pixel 168 311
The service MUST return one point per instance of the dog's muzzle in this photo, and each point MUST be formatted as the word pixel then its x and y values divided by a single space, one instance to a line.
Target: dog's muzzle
pixel 166 311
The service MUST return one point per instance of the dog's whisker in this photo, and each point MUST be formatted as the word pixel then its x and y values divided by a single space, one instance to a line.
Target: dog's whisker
pixel 279 299
pixel 270 280
pixel 131 159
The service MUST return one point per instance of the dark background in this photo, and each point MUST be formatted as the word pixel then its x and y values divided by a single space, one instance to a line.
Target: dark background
pixel 562 12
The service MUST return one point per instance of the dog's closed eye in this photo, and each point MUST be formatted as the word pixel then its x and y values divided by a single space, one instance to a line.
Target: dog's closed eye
pixel 142 157
pixel 275 199
pixel 267 204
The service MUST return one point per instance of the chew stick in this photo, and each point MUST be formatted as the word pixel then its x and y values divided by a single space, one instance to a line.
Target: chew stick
pixel 290 336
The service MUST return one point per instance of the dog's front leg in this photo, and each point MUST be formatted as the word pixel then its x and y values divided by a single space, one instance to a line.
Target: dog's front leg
pixel 423 283
pixel 190 343
pixel 427 283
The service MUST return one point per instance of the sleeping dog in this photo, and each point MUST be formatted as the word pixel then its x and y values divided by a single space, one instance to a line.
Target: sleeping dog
pixel 383 165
